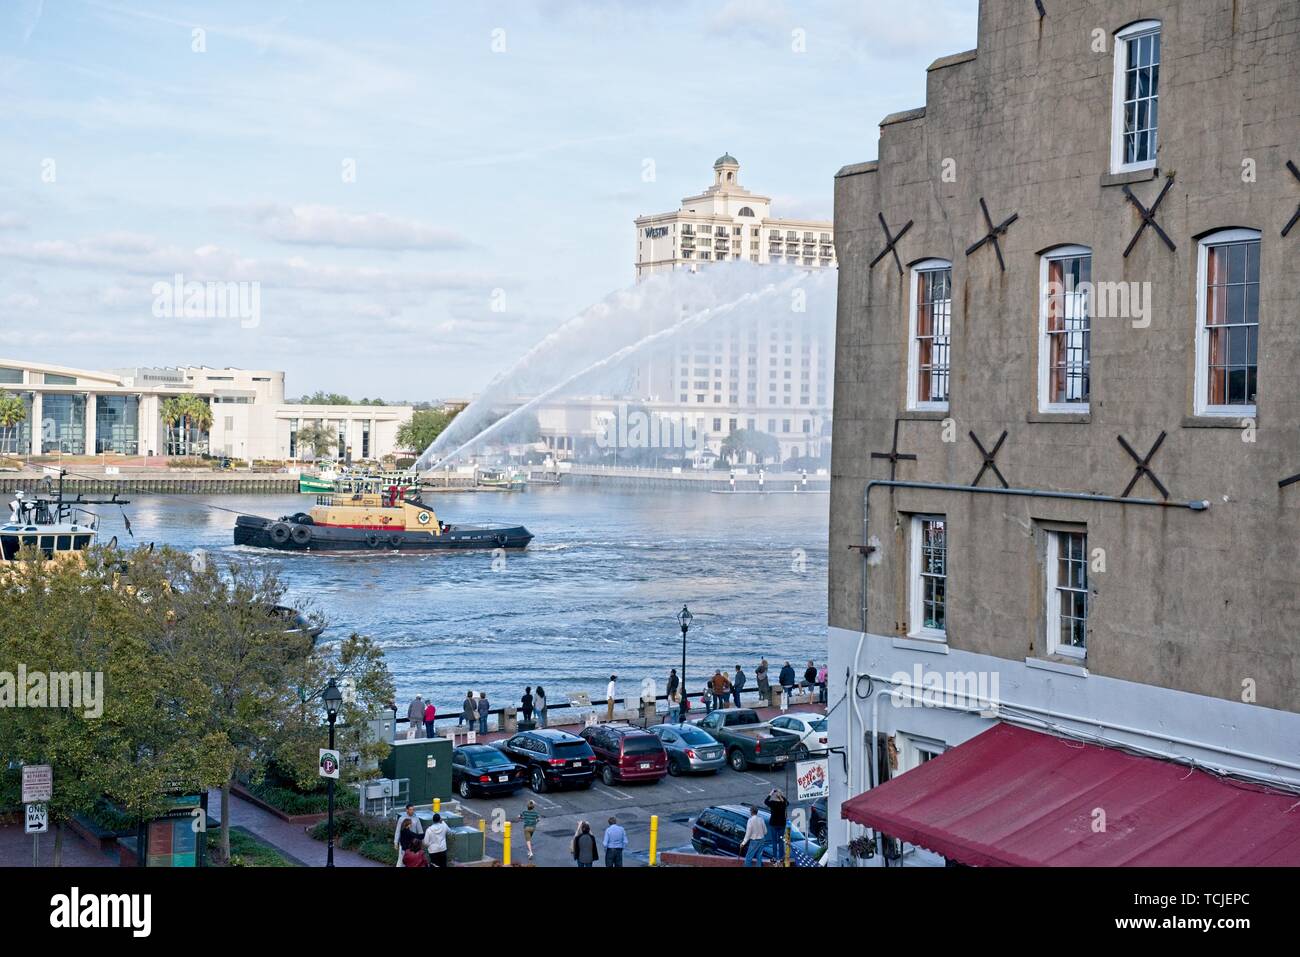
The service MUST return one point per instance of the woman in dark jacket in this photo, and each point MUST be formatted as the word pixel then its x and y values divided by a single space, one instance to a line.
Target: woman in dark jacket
pixel 526 704
pixel 585 849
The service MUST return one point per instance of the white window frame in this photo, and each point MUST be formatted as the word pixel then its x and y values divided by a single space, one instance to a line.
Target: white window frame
pixel 1133 31
pixel 912 746
pixel 1201 405
pixel 1053 604
pixel 913 349
pixel 915 592
pixel 1045 404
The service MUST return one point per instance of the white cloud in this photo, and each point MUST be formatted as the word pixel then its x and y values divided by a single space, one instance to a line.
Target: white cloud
pixel 316 225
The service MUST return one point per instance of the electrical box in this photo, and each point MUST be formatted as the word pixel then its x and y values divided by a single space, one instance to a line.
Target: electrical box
pixel 464 845
pixel 426 763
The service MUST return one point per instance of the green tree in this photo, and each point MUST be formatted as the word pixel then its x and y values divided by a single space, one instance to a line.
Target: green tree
pixel 742 442
pixel 12 412
pixel 425 425
pixel 318 438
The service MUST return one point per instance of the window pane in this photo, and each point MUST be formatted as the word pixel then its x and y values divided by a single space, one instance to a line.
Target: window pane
pixel 1231 322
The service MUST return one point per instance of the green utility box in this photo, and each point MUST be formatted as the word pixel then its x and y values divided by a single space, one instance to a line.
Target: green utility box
pixel 464 845
pixel 426 763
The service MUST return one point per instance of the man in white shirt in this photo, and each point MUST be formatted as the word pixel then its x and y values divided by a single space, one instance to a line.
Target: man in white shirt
pixel 611 692
pixel 755 833
pixel 435 841
pixel 416 828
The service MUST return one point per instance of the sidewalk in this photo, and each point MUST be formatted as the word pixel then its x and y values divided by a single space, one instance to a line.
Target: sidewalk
pixel 16 850
pixel 292 839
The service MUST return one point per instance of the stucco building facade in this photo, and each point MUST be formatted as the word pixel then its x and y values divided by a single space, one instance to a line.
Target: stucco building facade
pixel 1070 280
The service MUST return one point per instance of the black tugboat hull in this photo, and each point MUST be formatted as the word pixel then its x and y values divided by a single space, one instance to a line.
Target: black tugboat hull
pixel 290 536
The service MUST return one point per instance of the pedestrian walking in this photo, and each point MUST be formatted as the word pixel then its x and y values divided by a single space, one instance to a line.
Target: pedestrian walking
pixel 752 845
pixel 414 855
pixel 611 692
pixel 777 806
pixel 764 685
pixel 415 718
pixel 430 713
pixel 737 685
pixel 673 683
pixel 539 702
pixel 584 846
pixel 435 841
pixel 526 704
pixel 408 822
pixel 483 708
pixel 468 713
pixel 822 676
pixel 787 684
pixel 615 842
pixel 529 817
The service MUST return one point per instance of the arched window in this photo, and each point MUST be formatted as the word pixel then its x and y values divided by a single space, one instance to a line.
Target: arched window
pixel 745 211
pixel 929 328
pixel 1065 329
pixel 1136 97
pixel 1227 322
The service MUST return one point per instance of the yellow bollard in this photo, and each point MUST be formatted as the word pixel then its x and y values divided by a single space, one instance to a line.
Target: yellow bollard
pixel 437 805
pixel 505 846
pixel 482 826
pixel 654 839
pixel 787 845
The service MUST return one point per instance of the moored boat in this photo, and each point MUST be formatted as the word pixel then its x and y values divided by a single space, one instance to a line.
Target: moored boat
pixel 394 519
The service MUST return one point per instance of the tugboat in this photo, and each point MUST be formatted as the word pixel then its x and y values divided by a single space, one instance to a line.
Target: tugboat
pixel 393 519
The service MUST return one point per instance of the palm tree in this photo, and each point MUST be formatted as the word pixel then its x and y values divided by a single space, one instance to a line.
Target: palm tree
pixel 12 412
pixel 191 414
pixel 318 438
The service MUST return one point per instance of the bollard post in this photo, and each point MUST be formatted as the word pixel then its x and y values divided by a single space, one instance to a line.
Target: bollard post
pixel 505 846
pixel 437 805
pixel 654 839
pixel 482 829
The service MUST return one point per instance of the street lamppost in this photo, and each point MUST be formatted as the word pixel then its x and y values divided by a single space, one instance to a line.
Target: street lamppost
pixel 684 619
pixel 332 697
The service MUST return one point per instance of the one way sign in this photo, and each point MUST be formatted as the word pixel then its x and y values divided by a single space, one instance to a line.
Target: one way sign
pixel 38 818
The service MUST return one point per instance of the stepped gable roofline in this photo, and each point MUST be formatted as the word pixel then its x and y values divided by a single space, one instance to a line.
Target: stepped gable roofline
pixel 853 169
pixel 952 59
pixel 904 116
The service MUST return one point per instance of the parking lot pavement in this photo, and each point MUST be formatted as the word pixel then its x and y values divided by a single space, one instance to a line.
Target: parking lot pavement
pixel 676 800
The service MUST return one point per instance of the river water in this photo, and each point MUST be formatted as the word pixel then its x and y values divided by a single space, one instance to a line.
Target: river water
pixel 596 592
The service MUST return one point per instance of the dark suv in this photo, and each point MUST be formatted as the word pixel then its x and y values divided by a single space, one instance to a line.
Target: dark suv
pixel 625 753
pixel 553 758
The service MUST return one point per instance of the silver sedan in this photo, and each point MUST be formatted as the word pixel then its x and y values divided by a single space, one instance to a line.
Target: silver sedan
pixel 690 749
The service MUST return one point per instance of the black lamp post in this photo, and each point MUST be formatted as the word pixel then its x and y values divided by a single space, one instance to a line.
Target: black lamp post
pixel 332 698
pixel 684 619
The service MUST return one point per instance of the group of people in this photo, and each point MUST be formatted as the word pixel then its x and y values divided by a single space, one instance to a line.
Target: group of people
pixel 721 691
pixel 417 845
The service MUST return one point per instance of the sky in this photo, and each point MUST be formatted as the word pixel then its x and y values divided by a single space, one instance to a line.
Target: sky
pixel 409 194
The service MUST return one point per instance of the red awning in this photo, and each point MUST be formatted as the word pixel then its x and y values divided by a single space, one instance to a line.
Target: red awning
pixel 1016 797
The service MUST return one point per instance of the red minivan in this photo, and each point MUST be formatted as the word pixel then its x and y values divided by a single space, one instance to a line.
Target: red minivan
pixel 625 753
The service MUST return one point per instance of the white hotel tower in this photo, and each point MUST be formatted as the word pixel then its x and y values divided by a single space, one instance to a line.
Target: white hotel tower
pixel 773 378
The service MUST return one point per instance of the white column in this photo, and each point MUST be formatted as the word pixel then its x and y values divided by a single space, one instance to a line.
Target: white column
pixel 90 424
pixel 37 415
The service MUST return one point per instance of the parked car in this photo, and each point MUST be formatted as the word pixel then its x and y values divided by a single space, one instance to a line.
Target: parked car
pixel 626 753
pixel 553 758
pixel 480 769
pixel 747 739
pixel 720 829
pixel 817 820
pixel 809 728
pixel 691 750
